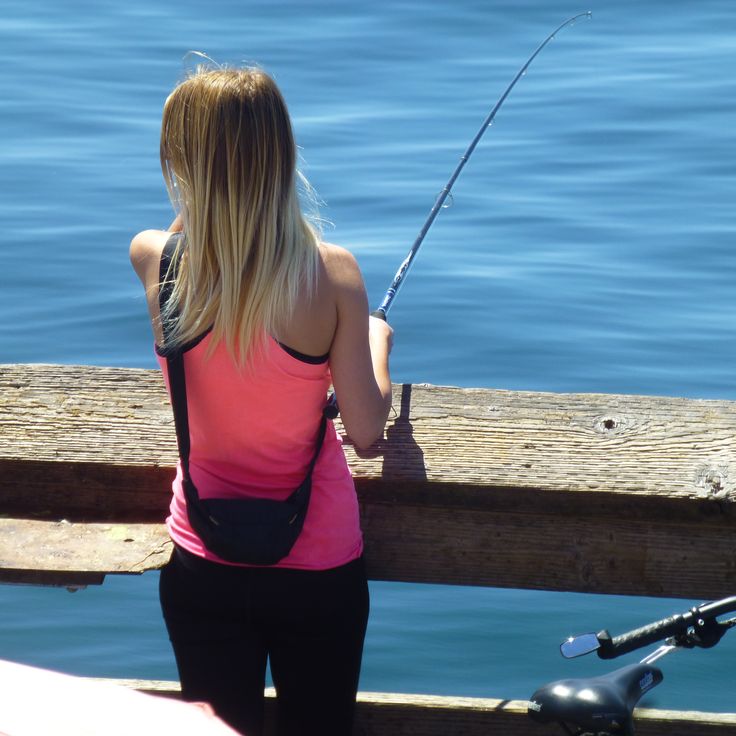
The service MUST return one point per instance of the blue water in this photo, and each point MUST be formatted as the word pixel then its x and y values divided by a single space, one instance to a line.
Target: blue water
pixel 590 247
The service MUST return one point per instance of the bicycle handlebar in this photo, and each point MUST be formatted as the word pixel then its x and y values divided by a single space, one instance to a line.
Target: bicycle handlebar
pixel 701 619
pixel 612 647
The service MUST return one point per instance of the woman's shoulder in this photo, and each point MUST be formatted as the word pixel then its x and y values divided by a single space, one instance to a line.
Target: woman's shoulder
pixel 341 266
pixel 145 251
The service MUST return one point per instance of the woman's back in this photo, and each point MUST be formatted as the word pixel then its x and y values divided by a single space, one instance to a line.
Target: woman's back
pixel 257 426
pixel 253 434
pixel 265 317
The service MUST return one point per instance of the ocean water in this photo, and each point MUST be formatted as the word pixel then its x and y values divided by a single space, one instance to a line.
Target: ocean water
pixel 589 248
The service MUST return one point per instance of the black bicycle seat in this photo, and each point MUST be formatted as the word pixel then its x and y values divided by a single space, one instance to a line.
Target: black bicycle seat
pixel 599 704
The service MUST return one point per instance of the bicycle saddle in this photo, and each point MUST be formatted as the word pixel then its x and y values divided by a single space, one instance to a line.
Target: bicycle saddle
pixel 602 705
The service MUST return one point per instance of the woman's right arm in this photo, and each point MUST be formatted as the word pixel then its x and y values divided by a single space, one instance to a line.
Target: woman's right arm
pixel 359 354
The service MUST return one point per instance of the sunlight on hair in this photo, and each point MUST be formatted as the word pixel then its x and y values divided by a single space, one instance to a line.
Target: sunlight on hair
pixel 193 61
pixel 230 163
pixel 311 202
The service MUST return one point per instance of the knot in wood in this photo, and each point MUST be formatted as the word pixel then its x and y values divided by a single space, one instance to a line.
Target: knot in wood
pixel 712 482
pixel 610 424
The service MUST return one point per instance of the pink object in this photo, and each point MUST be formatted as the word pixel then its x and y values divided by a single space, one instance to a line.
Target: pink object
pixel 37 702
pixel 253 432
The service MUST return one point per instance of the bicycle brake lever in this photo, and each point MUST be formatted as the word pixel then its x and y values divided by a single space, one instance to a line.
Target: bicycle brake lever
pixel 707 632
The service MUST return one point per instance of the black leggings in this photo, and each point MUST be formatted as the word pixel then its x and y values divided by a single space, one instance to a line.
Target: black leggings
pixel 225 621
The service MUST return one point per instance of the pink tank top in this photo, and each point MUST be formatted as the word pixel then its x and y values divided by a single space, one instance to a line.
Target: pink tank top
pixel 253 433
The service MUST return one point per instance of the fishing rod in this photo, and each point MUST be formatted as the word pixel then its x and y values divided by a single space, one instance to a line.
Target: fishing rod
pixel 331 410
pixel 393 290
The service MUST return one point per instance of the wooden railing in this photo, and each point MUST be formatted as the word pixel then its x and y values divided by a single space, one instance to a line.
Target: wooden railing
pixel 592 493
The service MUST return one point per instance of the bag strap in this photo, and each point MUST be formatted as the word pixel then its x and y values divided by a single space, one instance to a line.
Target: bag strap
pixel 168 270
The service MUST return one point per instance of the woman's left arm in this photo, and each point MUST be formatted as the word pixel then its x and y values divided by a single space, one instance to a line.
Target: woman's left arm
pixel 145 257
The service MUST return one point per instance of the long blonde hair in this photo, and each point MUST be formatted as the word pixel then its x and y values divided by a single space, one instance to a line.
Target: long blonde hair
pixel 229 158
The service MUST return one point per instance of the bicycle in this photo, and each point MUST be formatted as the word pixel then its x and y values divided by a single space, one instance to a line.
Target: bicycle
pixel 603 705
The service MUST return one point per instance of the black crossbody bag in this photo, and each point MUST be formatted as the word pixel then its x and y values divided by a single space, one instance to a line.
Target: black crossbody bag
pixel 256 531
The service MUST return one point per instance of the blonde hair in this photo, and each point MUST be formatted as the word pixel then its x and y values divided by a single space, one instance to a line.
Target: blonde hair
pixel 229 158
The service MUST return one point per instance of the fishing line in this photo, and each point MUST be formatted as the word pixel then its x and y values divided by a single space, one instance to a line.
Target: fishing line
pixel 331 410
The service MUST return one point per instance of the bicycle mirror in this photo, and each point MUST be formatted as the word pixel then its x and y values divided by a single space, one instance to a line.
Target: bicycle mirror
pixel 576 646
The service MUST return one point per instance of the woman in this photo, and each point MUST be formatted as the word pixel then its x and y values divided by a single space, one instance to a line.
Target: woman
pixel 266 316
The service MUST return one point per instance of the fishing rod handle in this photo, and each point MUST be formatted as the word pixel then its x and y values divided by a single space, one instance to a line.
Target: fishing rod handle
pixel 392 290
pixel 379 314
pixel 611 647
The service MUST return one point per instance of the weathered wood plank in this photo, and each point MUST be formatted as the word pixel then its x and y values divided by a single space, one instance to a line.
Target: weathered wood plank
pixel 432 715
pixel 79 549
pixel 594 493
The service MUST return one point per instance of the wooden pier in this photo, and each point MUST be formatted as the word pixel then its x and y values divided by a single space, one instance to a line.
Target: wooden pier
pixel 576 492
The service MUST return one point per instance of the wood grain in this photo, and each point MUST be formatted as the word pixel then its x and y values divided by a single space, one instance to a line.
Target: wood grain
pixel 584 492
